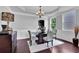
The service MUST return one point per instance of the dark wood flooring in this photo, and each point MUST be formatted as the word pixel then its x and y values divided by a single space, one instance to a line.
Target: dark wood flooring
pixel 22 47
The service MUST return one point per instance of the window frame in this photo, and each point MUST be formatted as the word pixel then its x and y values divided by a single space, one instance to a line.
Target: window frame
pixel 63 20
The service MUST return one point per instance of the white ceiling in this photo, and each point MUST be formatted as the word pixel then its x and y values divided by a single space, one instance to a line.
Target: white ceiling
pixel 31 10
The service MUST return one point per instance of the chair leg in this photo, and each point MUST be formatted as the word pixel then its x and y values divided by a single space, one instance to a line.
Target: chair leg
pixel 47 44
pixel 30 43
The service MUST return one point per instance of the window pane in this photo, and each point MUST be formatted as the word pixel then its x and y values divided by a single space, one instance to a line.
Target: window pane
pixel 69 20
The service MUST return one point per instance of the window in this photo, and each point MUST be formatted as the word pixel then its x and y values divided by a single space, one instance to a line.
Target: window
pixel 69 20
pixel 54 22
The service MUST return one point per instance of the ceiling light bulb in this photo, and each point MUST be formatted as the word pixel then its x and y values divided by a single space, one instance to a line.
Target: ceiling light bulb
pixel 40 12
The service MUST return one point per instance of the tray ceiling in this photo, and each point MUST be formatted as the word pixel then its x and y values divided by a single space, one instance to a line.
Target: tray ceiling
pixel 31 10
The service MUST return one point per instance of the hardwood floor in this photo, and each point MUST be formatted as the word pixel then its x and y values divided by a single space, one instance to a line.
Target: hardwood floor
pixel 22 47
pixel 65 48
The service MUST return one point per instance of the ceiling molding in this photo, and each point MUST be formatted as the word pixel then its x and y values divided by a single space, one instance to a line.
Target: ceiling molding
pixel 51 13
pixel 30 12
pixel 24 10
pixel 19 13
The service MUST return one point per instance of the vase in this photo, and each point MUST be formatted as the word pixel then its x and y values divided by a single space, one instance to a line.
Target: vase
pixel 4 27
pixel 75 42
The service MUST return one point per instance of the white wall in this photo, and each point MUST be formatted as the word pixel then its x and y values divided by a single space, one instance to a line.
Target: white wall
pixel 77 13
pixel 24 22
pixel 59 22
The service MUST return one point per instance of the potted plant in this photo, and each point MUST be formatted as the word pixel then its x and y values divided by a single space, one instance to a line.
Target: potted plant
pixel 53 26
pixel 76 31
pixel 75 40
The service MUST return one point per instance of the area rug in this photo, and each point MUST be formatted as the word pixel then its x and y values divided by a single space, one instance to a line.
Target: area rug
pixel 40 47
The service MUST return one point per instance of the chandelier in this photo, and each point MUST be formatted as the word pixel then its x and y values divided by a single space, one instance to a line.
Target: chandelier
pixel 40 12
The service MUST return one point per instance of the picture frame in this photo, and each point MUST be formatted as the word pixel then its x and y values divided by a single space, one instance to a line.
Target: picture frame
pixel 7 16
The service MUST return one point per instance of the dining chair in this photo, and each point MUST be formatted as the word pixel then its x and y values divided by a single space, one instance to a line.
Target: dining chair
pixel 30 40
pixel 49 39
pixel 32 37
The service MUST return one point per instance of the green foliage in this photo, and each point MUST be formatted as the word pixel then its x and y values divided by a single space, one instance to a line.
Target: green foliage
pixel 53 23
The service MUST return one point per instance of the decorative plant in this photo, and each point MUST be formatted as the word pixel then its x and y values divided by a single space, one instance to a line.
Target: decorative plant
pixel 53 25
pixel 76 31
